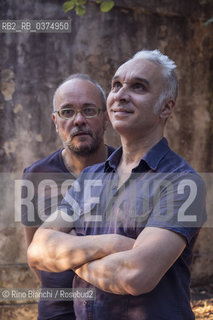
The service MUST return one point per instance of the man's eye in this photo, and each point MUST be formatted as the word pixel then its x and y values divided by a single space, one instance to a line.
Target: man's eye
pixel 138 86
pixel 90 111
pixel 67 112
pixel 116 85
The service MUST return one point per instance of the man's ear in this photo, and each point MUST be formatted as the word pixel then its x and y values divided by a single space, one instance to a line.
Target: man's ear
pixel 55 121
pixel 167 109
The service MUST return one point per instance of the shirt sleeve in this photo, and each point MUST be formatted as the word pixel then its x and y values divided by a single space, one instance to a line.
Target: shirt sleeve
pixel 29 200
pixel 179 204
pixel 41 194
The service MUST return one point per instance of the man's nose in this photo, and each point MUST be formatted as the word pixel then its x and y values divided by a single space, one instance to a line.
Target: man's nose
pixel 122 94
pixel 79 119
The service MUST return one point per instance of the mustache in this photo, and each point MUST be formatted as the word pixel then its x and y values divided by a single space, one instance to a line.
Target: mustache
pixel 76 131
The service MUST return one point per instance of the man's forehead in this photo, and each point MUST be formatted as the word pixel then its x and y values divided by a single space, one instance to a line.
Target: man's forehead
pixel 77 87
pixel 76 82
pixel 137 68
pixel 79 91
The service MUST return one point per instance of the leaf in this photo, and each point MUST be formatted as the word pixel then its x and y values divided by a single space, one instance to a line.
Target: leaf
pixel 98 1
pixel 80 10
pixel 68 5
pixel 208 22
pixel 107 6
pixel 80 2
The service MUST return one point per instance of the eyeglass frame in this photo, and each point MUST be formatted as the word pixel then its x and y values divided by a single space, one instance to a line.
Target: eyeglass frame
pixel 76 112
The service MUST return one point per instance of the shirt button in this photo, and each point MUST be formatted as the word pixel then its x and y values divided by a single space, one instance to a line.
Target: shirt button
pixel 84 302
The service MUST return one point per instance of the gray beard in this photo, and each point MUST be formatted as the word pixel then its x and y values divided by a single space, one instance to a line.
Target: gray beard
pixel 84 150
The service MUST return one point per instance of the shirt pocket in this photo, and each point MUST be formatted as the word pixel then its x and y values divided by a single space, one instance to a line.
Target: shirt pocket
pixel 129 215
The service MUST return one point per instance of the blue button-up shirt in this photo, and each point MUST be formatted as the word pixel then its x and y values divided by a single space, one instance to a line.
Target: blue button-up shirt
pixel 162 191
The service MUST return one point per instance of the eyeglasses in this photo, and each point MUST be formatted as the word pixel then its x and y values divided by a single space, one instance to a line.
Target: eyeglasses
pixel 86 112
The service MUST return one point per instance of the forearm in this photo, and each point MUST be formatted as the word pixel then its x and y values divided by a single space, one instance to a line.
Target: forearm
pixel 28 234
pixel 138 270
pixel 111 273
pixel 56 251
pixel 119 273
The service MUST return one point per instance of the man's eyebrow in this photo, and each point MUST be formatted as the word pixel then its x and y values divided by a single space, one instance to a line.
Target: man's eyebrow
pixel 141 80
pixel 115 77
pixel 66 105
pixel 70 105
pixel 134 79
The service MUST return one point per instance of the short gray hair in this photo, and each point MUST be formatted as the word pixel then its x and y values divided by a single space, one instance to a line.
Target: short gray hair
pixel 168 67
pixel 86 77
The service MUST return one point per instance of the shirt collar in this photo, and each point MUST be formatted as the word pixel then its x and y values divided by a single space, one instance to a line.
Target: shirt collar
pixel 113 161
pixel 152 158
pixel 156 153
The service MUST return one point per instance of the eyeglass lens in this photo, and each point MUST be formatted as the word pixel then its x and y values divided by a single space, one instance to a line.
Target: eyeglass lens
pixel 87 112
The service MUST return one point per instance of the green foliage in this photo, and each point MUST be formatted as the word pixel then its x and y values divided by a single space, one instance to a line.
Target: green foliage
pixel 68 5
pixel 203 2
pixel 106 6
pixel 80 8
pixel 81 2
